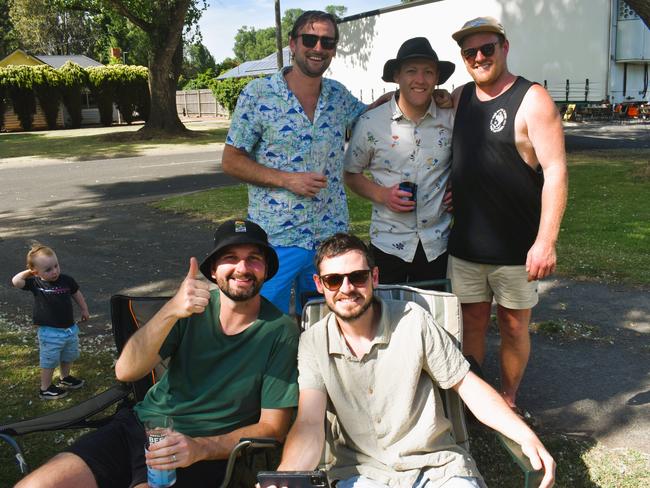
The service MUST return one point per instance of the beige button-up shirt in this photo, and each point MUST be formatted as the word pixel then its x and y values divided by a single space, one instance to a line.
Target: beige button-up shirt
pixel 395 149
pixel 389 422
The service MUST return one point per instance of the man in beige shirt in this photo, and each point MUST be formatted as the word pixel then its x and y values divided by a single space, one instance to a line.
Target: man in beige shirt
pixel 375 367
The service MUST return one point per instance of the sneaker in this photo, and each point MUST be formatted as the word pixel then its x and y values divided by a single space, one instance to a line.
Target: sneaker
pixel 52 393
pixel 70 383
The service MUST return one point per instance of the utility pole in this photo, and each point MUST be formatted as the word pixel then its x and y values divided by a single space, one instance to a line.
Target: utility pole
pixel 278 35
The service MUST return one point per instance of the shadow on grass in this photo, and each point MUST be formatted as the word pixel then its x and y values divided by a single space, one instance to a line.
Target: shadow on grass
pixel 80 147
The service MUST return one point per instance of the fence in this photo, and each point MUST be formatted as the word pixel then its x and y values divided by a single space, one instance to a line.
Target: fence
pixel 198 103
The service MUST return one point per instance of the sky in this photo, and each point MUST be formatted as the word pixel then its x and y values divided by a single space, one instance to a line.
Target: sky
pixel 220 22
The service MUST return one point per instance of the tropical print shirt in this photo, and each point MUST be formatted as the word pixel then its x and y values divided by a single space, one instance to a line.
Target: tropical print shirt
pixel 271 126
pixel 394 149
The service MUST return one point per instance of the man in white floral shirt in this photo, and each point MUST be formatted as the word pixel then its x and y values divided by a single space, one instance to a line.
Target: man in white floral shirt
pixel 404 142
pixel 287 141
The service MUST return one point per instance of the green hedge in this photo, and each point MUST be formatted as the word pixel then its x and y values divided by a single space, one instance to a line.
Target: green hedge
pixel 227 91
pixel 126 86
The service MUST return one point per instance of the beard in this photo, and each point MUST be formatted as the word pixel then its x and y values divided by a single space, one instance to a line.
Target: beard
pixel 238 294
pixel 303 65
pixel 354 313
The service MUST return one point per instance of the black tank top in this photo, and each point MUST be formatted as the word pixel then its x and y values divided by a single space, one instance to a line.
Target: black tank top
pixel 496 195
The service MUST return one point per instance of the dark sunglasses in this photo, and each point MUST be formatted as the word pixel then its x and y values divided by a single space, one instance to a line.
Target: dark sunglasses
pixel 487 50
pixel 310 40
pixel 334 281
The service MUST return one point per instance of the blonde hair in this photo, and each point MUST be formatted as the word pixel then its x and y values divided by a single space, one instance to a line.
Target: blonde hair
pixel 38 248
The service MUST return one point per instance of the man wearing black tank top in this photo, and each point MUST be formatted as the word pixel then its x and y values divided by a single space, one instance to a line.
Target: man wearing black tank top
pixel 509 185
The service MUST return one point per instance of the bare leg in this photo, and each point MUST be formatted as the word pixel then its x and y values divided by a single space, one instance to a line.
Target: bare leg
pixel 515 349
pixel 46 377
pixel 476 320
pixel 64 369
pixel 63 470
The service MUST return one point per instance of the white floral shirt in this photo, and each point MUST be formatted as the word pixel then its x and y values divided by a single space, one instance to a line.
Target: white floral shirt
pixel 395 149
pixel 270 125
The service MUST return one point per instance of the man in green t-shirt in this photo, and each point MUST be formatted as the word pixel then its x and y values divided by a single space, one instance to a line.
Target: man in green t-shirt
pixel 232 374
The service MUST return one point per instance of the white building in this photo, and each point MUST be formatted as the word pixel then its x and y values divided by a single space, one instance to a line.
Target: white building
pixel 581 50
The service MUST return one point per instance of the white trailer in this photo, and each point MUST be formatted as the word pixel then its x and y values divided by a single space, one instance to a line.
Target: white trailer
pixel 581 50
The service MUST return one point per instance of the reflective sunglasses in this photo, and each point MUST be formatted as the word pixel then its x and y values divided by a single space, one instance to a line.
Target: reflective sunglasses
pixel 310 40
pixel 334 281
pixel 487 50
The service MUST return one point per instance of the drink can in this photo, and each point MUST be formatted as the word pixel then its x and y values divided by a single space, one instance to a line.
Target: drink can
pixel 157 430
pixel 410 187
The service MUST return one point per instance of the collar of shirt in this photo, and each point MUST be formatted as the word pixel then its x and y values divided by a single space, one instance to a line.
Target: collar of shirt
pixel 397 112
pixel 336 341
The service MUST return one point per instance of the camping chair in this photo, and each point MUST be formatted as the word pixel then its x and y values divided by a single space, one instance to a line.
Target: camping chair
pixel 445 310
pixel 127 315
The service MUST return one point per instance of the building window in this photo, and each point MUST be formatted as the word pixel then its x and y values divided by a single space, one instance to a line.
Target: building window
pixel 625 12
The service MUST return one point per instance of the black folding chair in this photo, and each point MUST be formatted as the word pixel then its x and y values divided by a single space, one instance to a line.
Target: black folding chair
pixel 127 315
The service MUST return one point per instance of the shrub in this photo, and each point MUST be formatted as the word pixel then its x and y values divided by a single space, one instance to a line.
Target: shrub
pixel 18 81
pixel 73 79
pixel 47 87
pixel 227 91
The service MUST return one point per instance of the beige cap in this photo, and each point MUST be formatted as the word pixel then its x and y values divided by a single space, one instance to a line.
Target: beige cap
pixel 479 24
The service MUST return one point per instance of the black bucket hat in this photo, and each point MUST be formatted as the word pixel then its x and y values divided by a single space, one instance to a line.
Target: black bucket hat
pixel 240 232
pixel 417 47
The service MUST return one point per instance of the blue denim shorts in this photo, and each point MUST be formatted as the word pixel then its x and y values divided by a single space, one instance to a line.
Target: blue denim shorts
pixel 57 345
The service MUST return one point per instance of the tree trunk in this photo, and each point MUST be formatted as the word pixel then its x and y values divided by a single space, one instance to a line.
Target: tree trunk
pixel 163 116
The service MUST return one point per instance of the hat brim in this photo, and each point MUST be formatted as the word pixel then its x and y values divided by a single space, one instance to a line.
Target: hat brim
pixel 445 68
pixel 458 36
pixel 272 263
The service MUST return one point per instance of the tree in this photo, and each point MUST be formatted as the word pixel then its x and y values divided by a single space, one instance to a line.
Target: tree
pixel 8 41
pixel 196 59
pixel 163 22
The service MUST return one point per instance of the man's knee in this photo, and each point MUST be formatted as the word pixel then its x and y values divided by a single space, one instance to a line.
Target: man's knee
pixel 476 316
pixel 513 323
pixel 63 470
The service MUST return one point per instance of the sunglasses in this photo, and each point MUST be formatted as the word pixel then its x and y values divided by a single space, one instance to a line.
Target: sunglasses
pixel 487 50
pixel 334 281
pixel 310 40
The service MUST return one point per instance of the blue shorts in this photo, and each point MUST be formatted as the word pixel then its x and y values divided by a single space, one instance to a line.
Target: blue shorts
pixel 296 271
pixel 58 345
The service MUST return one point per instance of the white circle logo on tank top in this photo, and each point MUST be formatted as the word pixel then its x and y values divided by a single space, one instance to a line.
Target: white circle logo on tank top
pixel 498 121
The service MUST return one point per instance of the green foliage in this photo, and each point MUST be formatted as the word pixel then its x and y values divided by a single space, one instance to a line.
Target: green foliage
pixel 47 87
pixel 227 91
pixel 252 43
pixel 202 81
pixel 73 79
pixel 18 82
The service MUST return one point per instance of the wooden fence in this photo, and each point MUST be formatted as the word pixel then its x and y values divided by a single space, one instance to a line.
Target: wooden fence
pixel 198 103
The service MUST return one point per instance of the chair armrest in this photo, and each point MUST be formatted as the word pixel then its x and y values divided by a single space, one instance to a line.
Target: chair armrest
pixel 532 477
pixel 247 444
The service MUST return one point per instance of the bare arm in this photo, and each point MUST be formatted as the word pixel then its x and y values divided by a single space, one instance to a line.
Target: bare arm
pixel 140 354
pixel 18 281
pixel 239 164
pixel 304 446
pixel 545 133
pixel 187 450
pixel 491 409
pixel 392 197
pixel 81 301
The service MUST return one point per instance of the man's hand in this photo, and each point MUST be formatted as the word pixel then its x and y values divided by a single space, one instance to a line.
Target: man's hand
pixel 398 200
pixel 541 260
pixel 85 315
pixel 305 184
pixel 540 458
pixel 193 295
pixel 174 451
pixel 442 98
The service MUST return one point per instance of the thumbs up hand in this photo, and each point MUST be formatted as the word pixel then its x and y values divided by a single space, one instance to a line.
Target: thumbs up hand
pixel 193 295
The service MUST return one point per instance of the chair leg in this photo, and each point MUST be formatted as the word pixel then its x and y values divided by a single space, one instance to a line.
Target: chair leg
pixel 20 458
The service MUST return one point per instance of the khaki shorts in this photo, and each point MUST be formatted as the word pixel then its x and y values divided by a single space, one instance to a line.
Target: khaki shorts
pixel 508 285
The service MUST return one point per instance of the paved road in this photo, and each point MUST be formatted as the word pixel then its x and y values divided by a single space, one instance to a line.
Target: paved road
pixel 32 184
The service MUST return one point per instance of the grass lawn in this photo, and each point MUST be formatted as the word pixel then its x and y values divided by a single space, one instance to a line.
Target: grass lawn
pixel 605 232
pixel 103 142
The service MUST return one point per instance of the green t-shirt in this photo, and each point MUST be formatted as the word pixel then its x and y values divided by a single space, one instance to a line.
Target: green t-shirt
pixel 217 383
